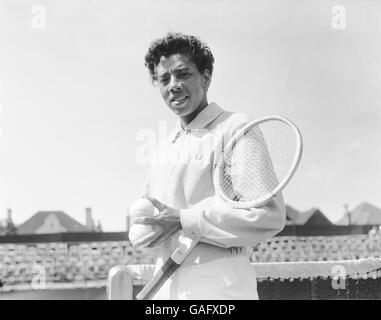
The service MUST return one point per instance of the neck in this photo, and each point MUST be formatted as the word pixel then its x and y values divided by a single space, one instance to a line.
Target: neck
pixel 188 118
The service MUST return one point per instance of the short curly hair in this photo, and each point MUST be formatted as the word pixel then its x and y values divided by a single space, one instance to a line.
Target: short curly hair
pixel 198 52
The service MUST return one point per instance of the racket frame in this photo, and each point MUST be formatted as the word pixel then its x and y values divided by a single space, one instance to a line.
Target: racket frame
pixel 221 157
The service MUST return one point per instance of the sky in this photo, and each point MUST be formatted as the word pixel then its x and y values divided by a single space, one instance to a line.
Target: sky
pixel 74 95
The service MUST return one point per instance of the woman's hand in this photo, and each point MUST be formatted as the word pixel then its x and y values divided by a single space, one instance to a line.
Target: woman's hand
pixel 168 218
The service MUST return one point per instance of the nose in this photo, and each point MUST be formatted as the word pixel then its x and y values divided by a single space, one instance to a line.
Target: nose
pixel 175 84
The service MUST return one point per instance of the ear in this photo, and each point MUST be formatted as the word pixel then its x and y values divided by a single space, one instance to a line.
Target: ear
pixel 207 77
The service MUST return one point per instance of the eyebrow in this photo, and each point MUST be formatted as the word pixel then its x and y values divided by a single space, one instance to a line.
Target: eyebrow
pixel 180 68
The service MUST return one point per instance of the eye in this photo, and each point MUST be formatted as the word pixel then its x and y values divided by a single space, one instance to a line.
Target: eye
pixel 184 74
pixel 164 80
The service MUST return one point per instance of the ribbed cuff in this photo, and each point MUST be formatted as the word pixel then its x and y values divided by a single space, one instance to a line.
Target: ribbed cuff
pixel 190 222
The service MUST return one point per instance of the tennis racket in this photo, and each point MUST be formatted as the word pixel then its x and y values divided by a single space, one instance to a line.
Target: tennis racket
pixel 256 164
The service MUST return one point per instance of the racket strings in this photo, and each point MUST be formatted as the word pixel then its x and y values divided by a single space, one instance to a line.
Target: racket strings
pixel 257 162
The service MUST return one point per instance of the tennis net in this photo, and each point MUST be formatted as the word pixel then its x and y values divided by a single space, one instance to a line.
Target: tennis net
pixel 326 280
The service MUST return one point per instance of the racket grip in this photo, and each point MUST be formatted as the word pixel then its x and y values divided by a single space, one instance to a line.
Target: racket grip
pixel 157 280
pixel 169 267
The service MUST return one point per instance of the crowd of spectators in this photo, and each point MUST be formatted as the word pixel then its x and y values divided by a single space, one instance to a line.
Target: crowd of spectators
pixel 287 249
pixel 65 262
pixel 71 262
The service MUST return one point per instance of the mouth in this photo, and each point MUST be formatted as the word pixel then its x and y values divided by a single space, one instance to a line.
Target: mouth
pixel 179 99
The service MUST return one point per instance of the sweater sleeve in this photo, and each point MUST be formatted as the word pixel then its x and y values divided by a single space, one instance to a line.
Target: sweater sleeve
pixel 215 222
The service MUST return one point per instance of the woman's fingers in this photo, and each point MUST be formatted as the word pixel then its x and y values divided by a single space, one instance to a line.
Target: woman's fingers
pixel 167 234
pixel 154 220
pixel 160 206
pixel 146 220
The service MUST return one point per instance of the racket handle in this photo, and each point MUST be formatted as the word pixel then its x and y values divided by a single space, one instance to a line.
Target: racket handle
pixel 169 267
pixel 157 280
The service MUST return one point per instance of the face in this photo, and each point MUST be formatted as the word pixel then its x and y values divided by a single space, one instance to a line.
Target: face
pixel 182 86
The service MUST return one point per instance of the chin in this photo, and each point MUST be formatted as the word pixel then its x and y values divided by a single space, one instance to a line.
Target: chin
pixel 182 110
pixel 180 113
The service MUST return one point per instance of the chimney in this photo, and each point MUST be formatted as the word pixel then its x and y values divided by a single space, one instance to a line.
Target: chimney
pixel 89 219
pixel 348 214
pixel 9 215
pixel 128 220
pixel 99 226
pixel 11 228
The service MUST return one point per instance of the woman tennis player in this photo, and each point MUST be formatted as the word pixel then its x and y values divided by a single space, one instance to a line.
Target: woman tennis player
pixel 180 183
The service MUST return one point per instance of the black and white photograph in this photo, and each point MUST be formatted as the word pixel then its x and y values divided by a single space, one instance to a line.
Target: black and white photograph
pixel 190 150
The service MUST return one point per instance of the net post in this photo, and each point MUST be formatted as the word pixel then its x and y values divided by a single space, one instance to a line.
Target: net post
pixel 120 283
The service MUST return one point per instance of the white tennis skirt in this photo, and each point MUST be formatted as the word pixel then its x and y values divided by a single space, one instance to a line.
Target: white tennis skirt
pixel 227 278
